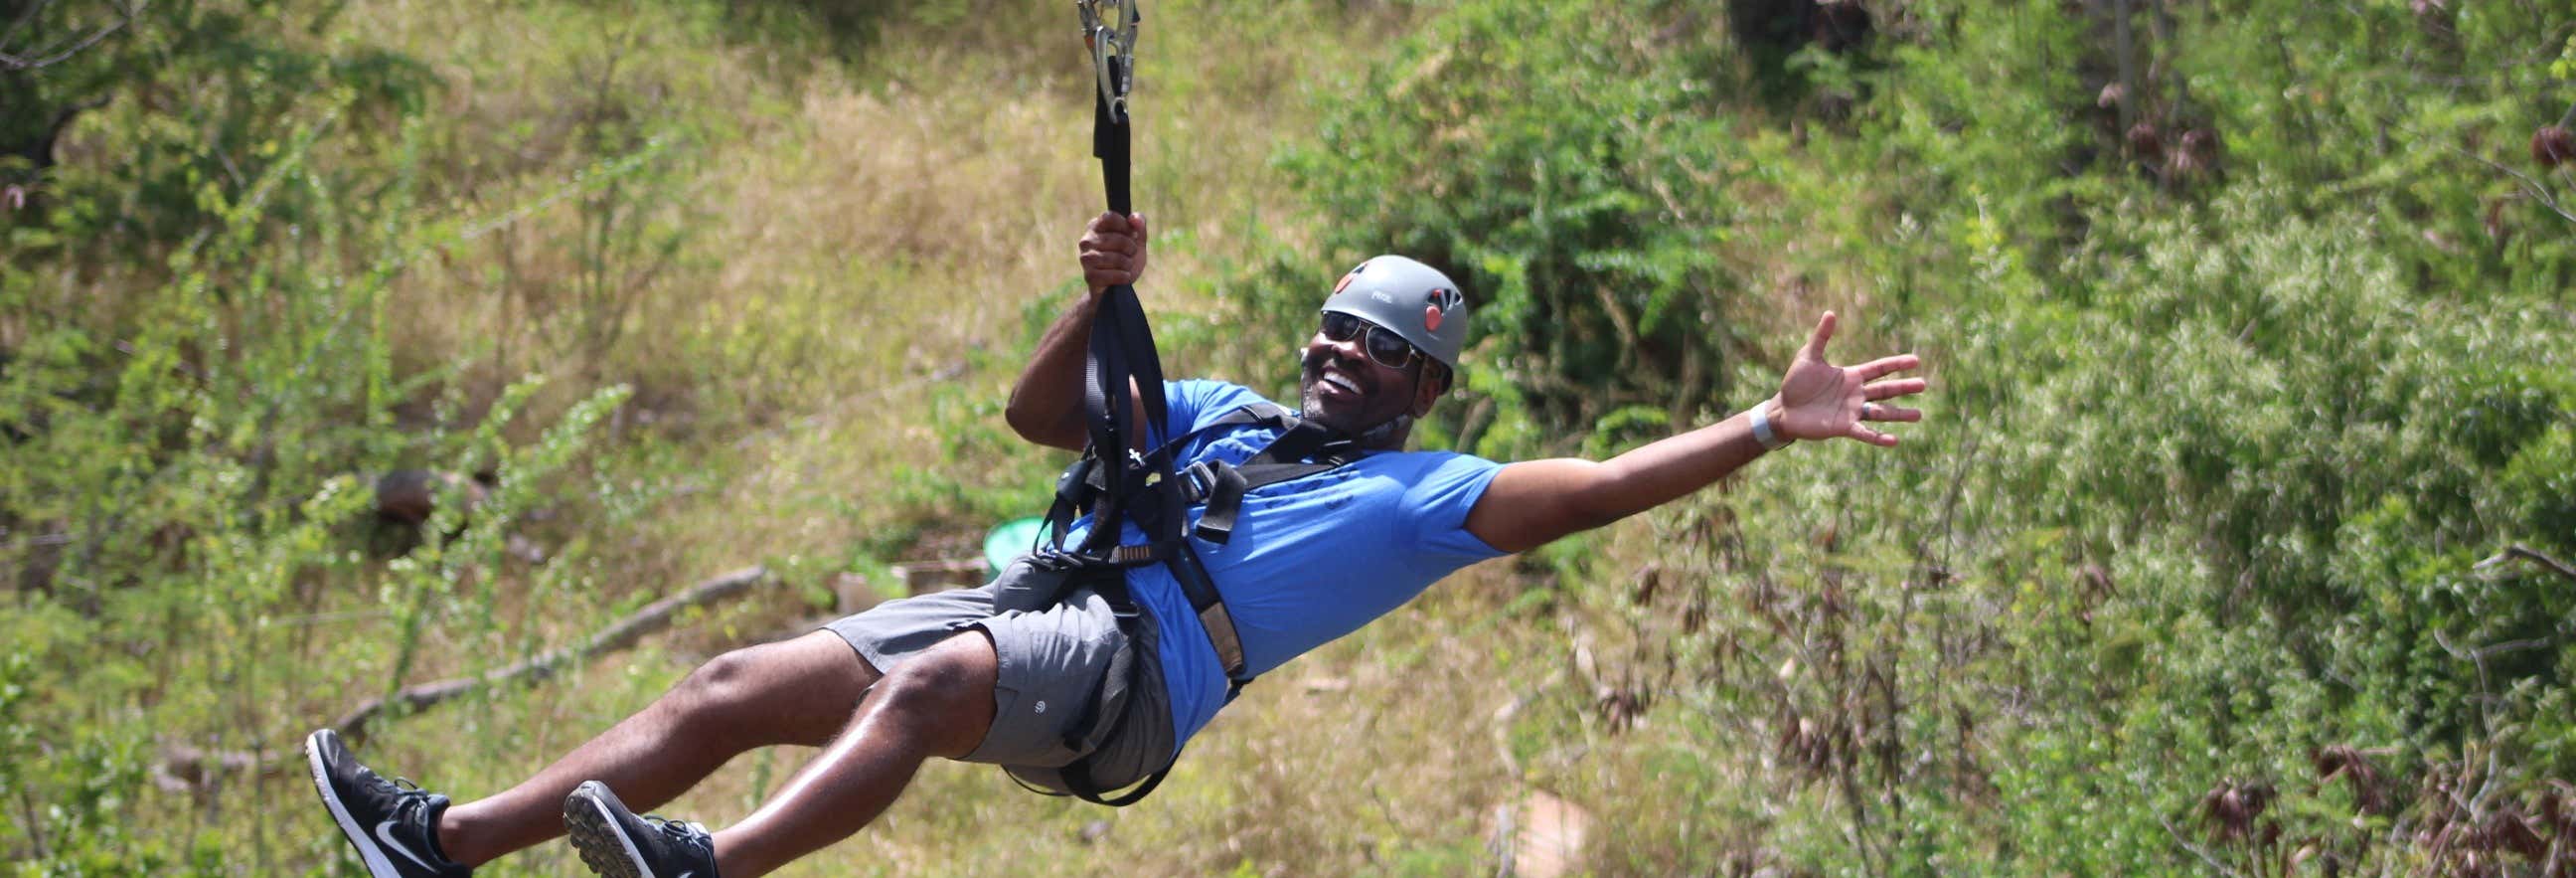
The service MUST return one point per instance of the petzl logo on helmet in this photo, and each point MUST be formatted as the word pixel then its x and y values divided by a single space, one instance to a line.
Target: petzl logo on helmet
pixel 1441 299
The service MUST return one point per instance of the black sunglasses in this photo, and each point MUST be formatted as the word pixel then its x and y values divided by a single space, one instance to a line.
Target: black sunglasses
pixel 1383 345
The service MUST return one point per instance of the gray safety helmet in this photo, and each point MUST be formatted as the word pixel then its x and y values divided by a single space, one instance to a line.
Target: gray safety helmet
pixel 1412 300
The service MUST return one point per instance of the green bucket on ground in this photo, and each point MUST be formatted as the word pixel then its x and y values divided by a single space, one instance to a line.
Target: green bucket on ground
pixel 1009 540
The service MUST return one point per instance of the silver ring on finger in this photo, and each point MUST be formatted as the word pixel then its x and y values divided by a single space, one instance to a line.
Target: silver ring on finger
pixel 1869 411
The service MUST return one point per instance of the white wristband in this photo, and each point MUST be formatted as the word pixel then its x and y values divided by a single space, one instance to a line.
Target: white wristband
pixel 1762 429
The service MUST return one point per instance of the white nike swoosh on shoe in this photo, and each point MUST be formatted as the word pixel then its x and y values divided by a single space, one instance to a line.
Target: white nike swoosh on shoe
pixel 387 837
pixel 610 821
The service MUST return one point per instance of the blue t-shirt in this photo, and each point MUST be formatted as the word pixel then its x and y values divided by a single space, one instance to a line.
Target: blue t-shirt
pixel 1312 559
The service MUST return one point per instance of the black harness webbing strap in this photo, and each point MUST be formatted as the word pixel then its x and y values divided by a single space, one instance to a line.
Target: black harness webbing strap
pixel 1109 132
pixel 1145 488
pixel 1123 366
pixel 1225 489
pixel 1077 777
pixel 1123 355
pixel 1108 579
pixel 1123 376
pixel 1111 585
pixel 1279 462
pixel 1118 479
pixel 1221 487
pixel 1210 607
pixel 1205 601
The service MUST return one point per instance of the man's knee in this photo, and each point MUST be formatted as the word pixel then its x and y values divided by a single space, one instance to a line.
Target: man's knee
pixel 946 692
pixel 725 679
pixel 799 691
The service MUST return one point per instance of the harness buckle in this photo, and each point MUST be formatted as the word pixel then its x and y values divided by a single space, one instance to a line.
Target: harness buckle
pixel 1055 560
pixel 1196 482
pixel 1112 39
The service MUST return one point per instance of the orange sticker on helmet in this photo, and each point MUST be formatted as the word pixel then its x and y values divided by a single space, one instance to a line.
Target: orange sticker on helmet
pixel 1431 317
pixel 1346 282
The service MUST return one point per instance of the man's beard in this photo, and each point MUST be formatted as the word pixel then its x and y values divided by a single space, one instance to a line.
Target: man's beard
pixel 1385 435
pixel 1388 434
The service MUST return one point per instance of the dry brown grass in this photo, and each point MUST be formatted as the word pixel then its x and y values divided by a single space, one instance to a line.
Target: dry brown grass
pixel 863 257
pixel 851 247
pixel 859 258
pixel 859 255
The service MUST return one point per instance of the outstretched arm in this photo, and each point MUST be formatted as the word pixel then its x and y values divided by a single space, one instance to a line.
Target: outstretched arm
pixel 1534 502
pixel 1046 401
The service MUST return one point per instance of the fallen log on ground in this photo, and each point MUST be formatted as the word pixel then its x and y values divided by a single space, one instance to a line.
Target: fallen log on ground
pixel 188 766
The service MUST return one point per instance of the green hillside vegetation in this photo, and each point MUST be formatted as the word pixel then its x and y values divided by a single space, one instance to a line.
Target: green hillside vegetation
pixel 2236 541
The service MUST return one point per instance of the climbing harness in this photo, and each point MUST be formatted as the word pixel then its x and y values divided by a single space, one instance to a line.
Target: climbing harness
pixel 1122 353
pixel 1127 473
pixel 1302 448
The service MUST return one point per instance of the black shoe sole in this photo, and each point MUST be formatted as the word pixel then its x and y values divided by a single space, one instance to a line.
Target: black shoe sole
pixel 594 833
pixel 369 854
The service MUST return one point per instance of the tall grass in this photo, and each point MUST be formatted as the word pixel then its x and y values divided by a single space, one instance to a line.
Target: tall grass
pixel 694 286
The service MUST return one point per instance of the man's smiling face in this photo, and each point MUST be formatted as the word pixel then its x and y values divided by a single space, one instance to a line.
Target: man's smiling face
pixel 1340 387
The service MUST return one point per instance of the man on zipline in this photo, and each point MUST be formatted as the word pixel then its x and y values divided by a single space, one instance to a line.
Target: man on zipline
pixel 1020 675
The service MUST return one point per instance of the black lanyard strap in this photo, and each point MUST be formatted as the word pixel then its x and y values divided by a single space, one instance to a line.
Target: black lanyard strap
pixel 1109 28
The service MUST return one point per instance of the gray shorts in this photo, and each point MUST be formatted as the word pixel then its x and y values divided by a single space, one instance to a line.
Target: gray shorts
pixel 1055 668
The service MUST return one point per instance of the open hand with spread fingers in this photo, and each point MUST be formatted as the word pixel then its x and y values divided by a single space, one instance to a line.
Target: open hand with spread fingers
pixel 1820 400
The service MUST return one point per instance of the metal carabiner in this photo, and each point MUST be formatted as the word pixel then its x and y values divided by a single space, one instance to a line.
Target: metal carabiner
pixel 1113 48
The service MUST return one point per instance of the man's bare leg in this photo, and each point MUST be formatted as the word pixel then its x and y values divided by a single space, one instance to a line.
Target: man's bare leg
pixel 937 703
pixel 799 691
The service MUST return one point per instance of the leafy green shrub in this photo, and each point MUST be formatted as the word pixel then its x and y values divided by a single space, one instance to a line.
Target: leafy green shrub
pixel 174 116
pixel 188 494
pixel 1560 171
pixel 2230 521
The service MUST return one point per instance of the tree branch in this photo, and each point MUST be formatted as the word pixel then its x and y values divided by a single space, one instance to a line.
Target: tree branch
pixel 2561 567
pixel 185 765
pixel 2518 550
pixel 2530 187
pixel 14 62
pixel 2196 850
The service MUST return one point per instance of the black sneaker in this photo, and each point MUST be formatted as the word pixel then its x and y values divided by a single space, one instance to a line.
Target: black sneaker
pixel 616 843
pixel 393 824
